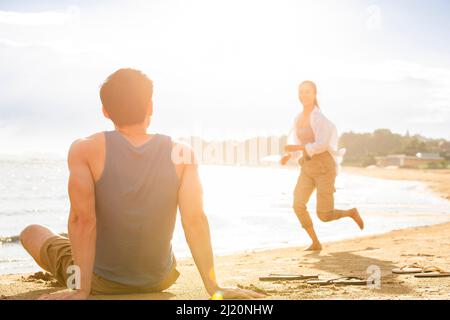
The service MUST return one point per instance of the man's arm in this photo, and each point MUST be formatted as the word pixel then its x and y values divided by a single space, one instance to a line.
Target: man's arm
pixel 82 219
pixel 195 225
pixel 196 229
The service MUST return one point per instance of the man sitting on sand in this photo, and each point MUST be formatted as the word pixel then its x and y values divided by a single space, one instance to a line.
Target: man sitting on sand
pixel 125 187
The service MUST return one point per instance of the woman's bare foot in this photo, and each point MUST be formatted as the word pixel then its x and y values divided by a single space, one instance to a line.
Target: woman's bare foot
pixel 354 214
pixel 314 247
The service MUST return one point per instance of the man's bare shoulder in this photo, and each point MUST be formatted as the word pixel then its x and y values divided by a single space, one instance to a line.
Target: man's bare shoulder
pixel 86 148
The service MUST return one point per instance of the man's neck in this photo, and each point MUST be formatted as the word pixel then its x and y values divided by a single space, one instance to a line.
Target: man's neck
pixel 133 131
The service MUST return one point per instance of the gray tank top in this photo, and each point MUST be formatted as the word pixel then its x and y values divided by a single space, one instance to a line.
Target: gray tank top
pixel 136 202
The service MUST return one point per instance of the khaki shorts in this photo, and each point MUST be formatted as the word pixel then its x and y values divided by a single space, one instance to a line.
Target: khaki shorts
pixel 317 173
pixel 56 257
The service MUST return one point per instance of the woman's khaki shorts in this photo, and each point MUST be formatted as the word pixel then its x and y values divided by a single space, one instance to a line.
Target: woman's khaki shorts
pixel 317 173
pixel 56 257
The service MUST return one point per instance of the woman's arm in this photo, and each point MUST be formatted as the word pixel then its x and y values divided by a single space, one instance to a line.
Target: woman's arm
pixel 285 158
pixel 293 148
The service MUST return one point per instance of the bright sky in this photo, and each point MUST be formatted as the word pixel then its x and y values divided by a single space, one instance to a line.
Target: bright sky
pixel 223 69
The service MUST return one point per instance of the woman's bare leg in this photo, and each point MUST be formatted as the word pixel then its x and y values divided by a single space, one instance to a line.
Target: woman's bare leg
pixel 315 246
pixel 303 190
pixel 352 213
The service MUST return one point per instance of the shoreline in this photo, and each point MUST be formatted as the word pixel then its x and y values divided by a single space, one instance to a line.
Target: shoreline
pixel 437 180
pixel 426 244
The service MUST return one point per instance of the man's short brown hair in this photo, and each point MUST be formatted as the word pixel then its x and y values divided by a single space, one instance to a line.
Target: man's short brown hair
pixel 126 95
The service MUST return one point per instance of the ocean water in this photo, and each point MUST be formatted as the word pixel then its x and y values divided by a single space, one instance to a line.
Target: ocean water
pixel 249 208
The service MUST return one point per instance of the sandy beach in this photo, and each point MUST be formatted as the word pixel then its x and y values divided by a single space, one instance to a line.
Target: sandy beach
pixel 429 245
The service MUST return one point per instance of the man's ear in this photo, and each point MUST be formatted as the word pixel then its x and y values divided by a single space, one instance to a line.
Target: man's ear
pixel 105 113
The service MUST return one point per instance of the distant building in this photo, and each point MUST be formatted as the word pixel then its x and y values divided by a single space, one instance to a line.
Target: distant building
pixel 401 160
pixel 444 148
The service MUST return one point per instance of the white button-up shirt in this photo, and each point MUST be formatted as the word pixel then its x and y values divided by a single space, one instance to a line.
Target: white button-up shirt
pixel 325 138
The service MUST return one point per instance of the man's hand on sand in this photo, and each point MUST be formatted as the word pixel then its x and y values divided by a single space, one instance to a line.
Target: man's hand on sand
pixel 65 295
pixel 236 293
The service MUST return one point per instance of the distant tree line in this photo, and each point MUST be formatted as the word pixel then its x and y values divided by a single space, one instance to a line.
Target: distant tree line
pixel 362 148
